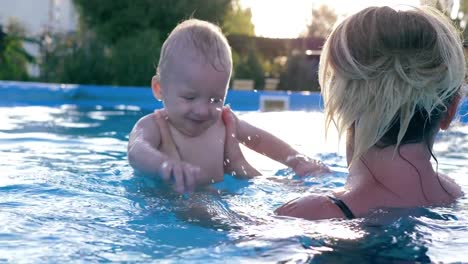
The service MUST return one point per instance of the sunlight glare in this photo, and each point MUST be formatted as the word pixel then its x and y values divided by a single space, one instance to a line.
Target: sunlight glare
pixel 289 18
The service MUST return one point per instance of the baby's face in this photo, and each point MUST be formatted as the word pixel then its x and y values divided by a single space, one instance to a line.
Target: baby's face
pixel 193 96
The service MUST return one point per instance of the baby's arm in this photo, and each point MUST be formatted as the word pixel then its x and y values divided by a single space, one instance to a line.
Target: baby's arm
pixel 276 149
pixel 234 160
pixel 144 156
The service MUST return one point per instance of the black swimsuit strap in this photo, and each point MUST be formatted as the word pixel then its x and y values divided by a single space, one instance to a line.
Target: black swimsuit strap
pixel 344 208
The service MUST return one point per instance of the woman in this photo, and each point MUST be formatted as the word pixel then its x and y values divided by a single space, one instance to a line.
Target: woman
pixel 390 80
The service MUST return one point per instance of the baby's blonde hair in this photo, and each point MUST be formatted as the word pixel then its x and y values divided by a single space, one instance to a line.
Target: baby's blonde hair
pixel 195 39
pixel 381 66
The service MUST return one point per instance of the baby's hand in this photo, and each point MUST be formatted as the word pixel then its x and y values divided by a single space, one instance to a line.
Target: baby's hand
pixel 181 174
pixel 304 166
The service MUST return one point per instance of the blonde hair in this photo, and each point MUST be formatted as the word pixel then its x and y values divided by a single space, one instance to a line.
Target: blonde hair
pixel 381 66
pixel 195 39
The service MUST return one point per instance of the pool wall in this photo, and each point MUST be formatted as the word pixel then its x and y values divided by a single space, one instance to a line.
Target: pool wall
pixel 13 93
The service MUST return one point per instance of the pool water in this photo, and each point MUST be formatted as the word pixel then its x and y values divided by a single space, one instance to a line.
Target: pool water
pixel 67 194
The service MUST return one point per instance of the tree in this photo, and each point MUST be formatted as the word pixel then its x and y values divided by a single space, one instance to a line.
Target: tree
pixel 323 19
pixel 301 73
pixel 238 21
pixel 459 17
pixel 445 6
pixel 249 66
pixel 13 57
pixel 119 41
pixel 246 65
pixel 116 19
pixel 134 59
pixel 72 60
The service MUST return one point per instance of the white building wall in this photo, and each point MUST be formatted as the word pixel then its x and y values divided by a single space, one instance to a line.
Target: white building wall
pixel 37 16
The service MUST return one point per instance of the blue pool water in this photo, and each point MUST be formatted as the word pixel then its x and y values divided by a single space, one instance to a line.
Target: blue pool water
pixel 67 194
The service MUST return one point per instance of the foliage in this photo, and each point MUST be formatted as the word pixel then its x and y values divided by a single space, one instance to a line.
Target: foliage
pixel 134 59
pixel 274 67
pixel 116 19
pixel 238 21
pixel 13 56
pixel 323 19
pixel 249 66
pixel 461 18
pixel 247 63
pixel 71 61
pixel 119 41
pixel 129 62
pixel 301 73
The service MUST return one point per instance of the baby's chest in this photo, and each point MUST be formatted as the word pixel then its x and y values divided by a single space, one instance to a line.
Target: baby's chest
pixel 208 153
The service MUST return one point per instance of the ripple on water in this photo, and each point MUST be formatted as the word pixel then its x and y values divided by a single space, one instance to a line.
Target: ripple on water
pixel 67 194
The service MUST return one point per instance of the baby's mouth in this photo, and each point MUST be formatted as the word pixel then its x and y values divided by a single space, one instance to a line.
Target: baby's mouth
pixel 198 120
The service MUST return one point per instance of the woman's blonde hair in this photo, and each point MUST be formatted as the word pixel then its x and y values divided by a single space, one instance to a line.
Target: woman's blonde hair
pixel 197 39
pixel 380 66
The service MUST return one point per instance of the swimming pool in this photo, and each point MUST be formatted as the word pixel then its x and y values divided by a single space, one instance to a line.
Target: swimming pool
pixel 67 193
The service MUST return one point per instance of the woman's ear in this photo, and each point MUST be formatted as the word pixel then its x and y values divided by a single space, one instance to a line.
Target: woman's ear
pixel 451 112
pixel 156 87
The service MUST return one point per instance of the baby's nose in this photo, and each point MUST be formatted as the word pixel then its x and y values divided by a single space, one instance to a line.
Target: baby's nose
pixel 202 110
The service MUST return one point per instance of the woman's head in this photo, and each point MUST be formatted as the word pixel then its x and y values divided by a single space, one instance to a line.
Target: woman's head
pixel 390 75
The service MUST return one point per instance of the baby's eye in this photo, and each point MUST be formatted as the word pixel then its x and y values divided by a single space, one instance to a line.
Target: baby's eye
pixel 216 100
pixel 188 98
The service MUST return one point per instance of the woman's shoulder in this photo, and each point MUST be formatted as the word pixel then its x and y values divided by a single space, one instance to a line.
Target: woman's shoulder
pixel 451 186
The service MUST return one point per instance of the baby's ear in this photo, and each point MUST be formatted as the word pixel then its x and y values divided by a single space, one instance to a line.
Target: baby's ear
pixel 156 87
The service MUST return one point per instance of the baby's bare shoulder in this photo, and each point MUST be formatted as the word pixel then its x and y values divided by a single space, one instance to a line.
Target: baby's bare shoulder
pixel 149 121
pixel 146 129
